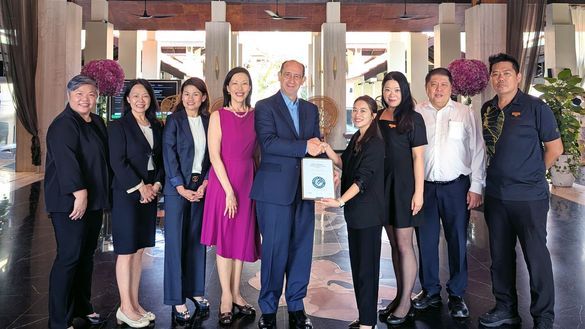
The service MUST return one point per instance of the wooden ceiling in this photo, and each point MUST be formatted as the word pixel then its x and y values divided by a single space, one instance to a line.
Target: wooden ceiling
pixel 244 15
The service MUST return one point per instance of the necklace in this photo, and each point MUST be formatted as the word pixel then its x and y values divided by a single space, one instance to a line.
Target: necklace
pixel 237 113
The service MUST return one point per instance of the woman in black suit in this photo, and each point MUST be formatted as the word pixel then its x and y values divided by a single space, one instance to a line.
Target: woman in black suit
pixel 136 159
pixel 362 198
pixel 76 192
pixel 186 164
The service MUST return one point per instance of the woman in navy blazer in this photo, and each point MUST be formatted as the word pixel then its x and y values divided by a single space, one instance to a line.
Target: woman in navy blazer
pixel 76 192
pixel 186 162
pixel 362 186
pixel 136 159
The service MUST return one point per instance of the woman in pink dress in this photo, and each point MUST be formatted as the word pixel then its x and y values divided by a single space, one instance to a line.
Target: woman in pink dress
pixel 229 220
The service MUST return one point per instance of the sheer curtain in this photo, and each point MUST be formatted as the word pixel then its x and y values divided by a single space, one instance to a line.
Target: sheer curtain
pixel 525 25
pixel 19 22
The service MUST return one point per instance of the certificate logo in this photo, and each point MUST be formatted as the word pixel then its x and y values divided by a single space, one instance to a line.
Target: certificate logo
pixel 318 182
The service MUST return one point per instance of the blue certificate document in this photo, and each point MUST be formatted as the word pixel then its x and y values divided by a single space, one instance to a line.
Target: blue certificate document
pixel 317 178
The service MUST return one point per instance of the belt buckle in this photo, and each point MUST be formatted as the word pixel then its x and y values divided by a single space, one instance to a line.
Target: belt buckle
pixel 195 179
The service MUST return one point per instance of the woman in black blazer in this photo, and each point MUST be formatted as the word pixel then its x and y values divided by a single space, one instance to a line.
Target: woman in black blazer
pixel 362 198
pixel 186 164
pixel 136 159
pixel 77 187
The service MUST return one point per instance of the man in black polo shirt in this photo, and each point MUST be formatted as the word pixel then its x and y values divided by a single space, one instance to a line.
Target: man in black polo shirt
pixel 522 141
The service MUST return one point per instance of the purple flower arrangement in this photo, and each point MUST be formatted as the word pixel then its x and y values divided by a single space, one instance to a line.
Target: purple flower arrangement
pixel 470 76
pixel 107 73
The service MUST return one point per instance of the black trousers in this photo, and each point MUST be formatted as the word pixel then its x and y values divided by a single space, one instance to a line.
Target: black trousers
pixel 70 279
pixel 524 221
pixel 364 257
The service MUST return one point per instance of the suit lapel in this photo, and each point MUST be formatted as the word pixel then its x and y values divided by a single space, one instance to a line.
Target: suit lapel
pixel 136 131
pixel 184 125
pixel 285 113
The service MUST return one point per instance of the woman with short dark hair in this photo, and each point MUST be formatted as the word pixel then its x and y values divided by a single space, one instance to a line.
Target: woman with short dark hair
pixel 76 192
pixel 136 159
pixel 186 164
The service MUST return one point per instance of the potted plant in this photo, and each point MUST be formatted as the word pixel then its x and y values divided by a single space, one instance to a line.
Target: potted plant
pixel 562 95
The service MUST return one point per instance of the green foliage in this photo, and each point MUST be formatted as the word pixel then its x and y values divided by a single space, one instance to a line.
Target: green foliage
pixel 559 94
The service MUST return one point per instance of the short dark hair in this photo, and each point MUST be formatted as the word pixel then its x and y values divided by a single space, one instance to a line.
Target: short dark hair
pixel 227 98
pixel 502 57
pixel 438 71
pixel 202 87
pixel 291 61
pixel 79 80
pixel 152 108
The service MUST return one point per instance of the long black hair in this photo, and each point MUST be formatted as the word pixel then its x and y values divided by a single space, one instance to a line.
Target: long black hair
pixel 152 108
pixel 202 87
pixel 404 112
pixel 227 98
pixel 373 130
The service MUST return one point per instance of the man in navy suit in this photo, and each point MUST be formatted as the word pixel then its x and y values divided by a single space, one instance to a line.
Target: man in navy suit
pixel 287 129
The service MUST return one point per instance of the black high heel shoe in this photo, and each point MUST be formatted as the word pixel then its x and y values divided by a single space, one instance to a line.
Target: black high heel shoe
pixel 385 312
pixel 226 318
pixel 395 320
pixel 180 318
pixel 201 307
pixel 245 310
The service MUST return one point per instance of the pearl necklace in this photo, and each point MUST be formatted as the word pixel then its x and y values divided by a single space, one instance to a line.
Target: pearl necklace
pixel 237 113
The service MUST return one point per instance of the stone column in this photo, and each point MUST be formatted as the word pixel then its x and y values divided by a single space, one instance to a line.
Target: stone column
pixel 396 51
pixel 333 48
pixel 559 36
pixel 447 36
pixel 129 53
pixel 485 27
pixel 417 64
pixel 237 48
pixel 151 57
pixel 315 66
pixel 217 50
pixel 59 59
pixel 99 33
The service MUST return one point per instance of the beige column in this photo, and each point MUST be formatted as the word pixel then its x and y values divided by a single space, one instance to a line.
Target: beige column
pixel 99 33
pixel 333 47
pixel 417 64
pixel 237 48
pixel 315 74
pixel 447 36
pixel 559 36
pixel 130 53
pixel 150 57
pixel 485 35
pixel 217 49
pixel 59 59
pixel 396 51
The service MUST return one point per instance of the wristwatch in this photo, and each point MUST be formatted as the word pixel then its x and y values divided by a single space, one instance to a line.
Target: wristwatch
pixel 341 203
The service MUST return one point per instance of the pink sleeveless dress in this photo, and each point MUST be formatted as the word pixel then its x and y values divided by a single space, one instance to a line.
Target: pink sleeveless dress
pixel 236 238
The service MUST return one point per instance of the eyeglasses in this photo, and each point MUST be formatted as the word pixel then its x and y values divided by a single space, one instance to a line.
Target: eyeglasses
pixel 291 76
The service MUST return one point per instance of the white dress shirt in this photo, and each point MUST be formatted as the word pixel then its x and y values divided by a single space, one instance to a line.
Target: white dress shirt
pixel 455 144
pixel 199 140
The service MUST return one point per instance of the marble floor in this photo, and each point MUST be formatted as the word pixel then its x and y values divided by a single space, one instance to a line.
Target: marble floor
pixel 27 250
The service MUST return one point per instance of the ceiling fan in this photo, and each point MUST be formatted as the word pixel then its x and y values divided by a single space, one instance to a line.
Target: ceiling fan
pixel 408 17
pixel 145 14
pixel 277 16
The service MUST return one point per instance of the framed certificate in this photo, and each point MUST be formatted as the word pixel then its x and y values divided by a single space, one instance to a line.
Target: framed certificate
pixel 317 178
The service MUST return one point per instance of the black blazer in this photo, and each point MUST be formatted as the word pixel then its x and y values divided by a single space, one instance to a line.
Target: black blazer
pixel 77 159
pixel 179 150
pixel 130 151
pixel 366 169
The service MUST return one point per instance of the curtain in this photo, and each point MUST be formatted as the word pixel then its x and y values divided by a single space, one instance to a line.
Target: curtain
pixel 578 16
pixel 19 52
pixel 525 25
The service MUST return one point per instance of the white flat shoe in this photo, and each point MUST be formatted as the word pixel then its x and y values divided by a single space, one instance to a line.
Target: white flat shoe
pixel 122 318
